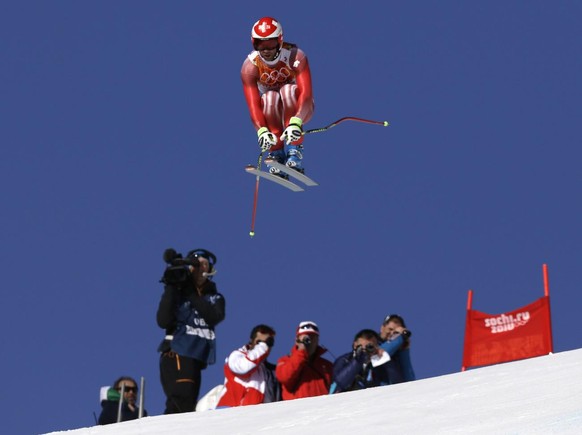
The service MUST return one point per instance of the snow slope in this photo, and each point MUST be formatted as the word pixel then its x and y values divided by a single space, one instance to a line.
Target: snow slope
pixel 539 395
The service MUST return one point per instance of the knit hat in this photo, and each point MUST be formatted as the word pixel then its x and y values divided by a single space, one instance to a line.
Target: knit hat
pixel 307 327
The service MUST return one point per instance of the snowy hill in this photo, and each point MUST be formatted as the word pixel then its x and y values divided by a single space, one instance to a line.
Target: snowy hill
pixel 539 395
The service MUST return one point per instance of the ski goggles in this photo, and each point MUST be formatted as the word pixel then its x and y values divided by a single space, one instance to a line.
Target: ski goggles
pixel 268 44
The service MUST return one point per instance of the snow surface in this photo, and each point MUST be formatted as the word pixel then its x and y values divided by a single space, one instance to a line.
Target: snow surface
pixel 538 395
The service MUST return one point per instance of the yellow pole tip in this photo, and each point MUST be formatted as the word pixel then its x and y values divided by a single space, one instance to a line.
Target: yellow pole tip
pixel 252 233
pixel 386 124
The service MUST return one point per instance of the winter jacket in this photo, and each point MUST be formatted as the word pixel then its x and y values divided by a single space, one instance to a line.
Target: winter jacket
pixel 301 376
pixel 249 378
pixel 189 320
pixel 355 373
pixel 110 408
pixel 400 368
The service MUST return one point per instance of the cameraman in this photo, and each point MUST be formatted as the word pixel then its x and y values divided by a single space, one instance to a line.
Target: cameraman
pixel 364 367
pixel 189 310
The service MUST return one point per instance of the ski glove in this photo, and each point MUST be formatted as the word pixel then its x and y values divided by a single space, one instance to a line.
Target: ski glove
pixel 293 132
pixel 266 139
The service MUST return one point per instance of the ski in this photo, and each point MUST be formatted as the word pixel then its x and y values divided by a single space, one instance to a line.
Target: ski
pixel 281 181
pixel 291 172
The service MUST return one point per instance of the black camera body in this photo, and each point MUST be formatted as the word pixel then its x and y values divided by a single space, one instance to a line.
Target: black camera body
pixel 179 270
pixel 370 348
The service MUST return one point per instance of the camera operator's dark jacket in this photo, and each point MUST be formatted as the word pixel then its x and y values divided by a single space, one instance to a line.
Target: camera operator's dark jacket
pixel 352 372
pixel 190 320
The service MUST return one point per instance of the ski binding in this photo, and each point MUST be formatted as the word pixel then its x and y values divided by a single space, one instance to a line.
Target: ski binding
pixel 281 181
pixel 291 172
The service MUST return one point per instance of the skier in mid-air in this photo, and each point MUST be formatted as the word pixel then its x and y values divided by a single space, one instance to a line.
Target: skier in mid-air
pixel 277 87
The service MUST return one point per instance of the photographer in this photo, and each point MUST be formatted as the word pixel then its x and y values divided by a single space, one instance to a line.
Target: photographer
pixel 396 341
pixel 304 373
pixel 364 367
pixel 249 377
pixel 189 310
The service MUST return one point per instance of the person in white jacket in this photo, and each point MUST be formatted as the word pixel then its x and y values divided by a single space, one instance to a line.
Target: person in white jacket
pixel 249 377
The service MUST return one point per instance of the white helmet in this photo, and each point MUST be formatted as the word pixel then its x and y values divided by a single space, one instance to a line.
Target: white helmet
pixel 267 28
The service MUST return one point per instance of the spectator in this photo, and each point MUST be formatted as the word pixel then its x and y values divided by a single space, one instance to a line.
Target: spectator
pixel 396 341
pixel 110 403
pixel 305 373
pixel 249 377
pixel 189 310
pixel 365 366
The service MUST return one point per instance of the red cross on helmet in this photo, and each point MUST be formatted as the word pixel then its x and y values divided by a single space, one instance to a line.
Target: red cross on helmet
pixel 267 28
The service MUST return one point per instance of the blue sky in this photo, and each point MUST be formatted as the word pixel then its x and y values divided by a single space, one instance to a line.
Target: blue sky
pixel 124 131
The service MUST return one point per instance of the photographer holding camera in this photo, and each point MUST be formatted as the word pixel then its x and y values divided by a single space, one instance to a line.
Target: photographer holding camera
pixel 189 310
pixel 396 341
pixel 249 377
pixel 304 373
pixel 364 367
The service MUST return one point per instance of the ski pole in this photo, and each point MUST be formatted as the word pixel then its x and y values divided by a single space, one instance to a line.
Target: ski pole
pixel 120 402
pixel 141 397
pixel 252 231
pixel 347 118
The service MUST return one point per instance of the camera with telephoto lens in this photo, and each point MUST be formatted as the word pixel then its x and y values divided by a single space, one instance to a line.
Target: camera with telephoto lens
pixel 370 348
pixel 179 270
pixel 305 341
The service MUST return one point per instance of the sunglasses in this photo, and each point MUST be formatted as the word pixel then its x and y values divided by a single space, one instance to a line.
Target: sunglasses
pixel 128 389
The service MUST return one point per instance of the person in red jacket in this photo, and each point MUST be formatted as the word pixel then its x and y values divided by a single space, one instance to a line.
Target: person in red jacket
pixel 277 87
pixel 305 373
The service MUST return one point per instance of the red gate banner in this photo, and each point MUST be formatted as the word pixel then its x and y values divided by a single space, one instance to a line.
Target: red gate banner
pixel 495 338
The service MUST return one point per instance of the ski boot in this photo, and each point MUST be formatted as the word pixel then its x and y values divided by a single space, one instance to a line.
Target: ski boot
pixel 279 156
pixel 294 157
